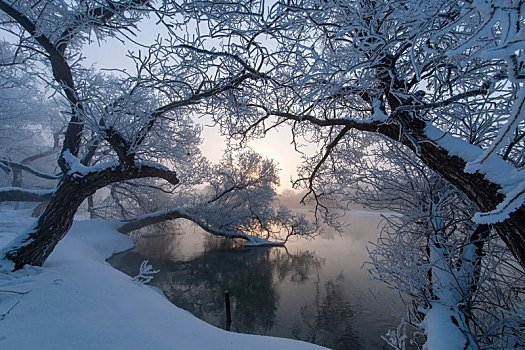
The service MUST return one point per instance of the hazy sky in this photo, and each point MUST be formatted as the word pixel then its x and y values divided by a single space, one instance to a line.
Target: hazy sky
pixel 276 145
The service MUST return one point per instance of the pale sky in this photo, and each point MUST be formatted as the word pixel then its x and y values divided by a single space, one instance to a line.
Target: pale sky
pixel 276 145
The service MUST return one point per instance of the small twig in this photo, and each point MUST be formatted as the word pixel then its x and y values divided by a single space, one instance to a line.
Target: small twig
pixel 3 316
pixel 13 291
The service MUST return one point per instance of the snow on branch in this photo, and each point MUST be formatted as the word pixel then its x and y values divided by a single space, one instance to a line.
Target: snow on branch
pixel 77 169
pixel 510 179
pixel 141 221
pixel 513 200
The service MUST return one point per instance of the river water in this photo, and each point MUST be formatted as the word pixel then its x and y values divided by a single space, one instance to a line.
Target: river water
pixel 313 290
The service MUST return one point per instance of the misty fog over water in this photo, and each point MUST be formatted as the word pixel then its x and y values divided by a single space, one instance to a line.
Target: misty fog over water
pixel 314 290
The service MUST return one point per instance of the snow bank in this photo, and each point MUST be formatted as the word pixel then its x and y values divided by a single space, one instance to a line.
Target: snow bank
pixel 78 301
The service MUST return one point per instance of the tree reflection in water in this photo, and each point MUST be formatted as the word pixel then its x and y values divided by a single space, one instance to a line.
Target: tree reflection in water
pixel 274 291
pixel 198 285
pixel 329 318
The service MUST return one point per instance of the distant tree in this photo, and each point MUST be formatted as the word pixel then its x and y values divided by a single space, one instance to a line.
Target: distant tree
pixel 29 133
pixel 238 202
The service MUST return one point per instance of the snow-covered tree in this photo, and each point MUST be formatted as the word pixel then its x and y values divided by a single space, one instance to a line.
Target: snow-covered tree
pixel 29 132
pixel 238 202
pixel 443 78
pixel 458 281
pixel 122 125
pixel 442 81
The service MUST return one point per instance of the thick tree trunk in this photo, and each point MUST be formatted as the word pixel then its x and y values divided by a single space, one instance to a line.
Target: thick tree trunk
pixel 52 225
pixel 480 191
pixel 35 246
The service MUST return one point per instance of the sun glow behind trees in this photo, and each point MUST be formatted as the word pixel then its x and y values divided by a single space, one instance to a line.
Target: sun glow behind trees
pixel 112 54
pixel 442 82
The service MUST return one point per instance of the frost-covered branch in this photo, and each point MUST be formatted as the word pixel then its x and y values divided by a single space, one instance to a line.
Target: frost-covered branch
pixel 393 71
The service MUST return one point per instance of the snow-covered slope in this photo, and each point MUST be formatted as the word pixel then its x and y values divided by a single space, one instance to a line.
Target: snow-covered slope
pixel 78 301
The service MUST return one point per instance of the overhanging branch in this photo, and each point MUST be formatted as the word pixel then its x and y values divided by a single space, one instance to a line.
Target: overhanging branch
pixel 17 194
pixel 484 193
pixel 173 214
pixel 29 169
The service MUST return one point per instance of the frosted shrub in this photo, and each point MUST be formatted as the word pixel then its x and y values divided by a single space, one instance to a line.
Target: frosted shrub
pixel 145 273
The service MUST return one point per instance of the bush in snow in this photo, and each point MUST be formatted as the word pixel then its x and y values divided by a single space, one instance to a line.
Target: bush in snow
pixel 145 273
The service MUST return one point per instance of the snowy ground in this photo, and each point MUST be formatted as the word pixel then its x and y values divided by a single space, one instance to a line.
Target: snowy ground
pixel 78 301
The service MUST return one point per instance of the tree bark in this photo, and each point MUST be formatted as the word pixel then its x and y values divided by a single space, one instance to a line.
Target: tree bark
pixel 483 193
pixel 479 190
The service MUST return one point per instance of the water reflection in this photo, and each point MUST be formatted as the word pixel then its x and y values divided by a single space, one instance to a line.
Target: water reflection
pixel 174 241
pixel 200 284
pixel 313 291
pixel 329 319
pixel 250 274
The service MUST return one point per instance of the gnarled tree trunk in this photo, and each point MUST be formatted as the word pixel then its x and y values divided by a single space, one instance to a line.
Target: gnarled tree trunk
pixel 35 246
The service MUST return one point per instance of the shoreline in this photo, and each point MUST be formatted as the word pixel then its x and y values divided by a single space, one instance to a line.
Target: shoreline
pixel 79 301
